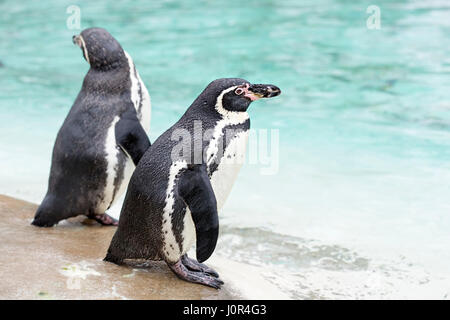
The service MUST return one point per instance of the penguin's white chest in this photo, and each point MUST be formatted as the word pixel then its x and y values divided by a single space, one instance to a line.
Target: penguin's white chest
pixel 230 164
pixel 222 181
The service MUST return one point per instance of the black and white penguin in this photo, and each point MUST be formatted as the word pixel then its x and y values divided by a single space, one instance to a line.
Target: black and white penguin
pixel 102 138
pixel 184 178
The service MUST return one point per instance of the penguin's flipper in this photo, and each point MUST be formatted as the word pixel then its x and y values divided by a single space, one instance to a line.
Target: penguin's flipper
pixel 196 190
pixel 130 136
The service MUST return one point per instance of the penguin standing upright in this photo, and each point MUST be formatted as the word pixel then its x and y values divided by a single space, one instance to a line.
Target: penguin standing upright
pixel 102 138
pixel 191 167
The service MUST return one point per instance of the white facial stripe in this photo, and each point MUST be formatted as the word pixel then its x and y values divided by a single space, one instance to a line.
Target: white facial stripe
pixel 232 117
pixel 83 46
pixel 228 118
pixel 172 250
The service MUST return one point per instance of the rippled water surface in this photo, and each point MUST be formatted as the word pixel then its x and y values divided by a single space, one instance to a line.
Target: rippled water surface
pixel 359 206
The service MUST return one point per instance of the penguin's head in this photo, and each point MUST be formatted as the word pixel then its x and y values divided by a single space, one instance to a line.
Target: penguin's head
pixel 234 94
pixel 99 48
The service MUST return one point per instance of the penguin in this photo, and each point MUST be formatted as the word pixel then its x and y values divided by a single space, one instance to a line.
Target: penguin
pixel 182 181
pixel 102 138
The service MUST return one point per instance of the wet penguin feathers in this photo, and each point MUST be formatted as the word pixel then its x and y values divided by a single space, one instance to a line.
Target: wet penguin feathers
pixel 102 138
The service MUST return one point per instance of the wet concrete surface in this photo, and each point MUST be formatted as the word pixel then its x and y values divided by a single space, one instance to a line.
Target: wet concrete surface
pixel 66 262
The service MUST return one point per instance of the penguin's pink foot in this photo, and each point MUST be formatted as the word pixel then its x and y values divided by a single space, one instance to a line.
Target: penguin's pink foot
pixel 105 219
pixel 194 265
pixel 193 276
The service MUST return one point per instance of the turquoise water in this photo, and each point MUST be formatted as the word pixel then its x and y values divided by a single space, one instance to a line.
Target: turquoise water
pixel 360 204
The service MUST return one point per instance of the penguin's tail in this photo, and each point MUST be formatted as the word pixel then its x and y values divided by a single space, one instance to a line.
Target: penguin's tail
pixel 112 258
pixel 47 214
pixel 115 254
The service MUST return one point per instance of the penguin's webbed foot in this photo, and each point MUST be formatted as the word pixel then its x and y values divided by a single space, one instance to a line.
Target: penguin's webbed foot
pixel 204 278
pixel 194 265
pixel 105 219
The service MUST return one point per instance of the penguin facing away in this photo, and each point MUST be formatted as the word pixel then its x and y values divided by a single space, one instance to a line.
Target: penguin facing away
pixel 102 138
pixel 174 195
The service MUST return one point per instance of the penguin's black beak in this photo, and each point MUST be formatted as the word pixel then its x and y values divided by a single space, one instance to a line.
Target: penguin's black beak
pixel 79 41
pixel 258 91
pixel 76 40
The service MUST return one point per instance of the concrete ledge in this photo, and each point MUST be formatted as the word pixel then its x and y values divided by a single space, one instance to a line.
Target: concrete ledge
pixel 66 262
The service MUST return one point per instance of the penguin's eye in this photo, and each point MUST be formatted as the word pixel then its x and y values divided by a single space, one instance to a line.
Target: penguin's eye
pixel 239 91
